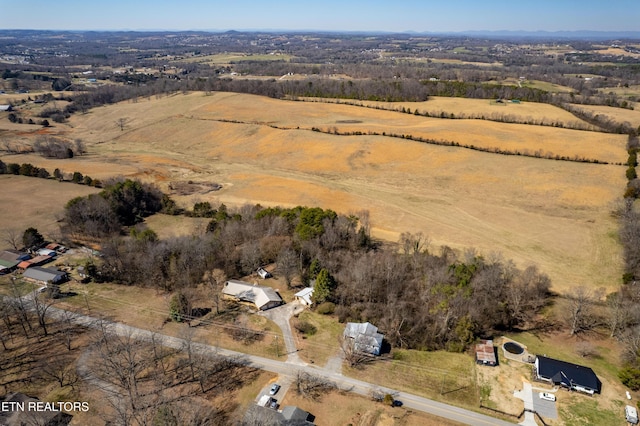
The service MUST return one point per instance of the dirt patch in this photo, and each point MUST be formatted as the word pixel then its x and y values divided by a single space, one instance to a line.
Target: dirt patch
pixel 190 187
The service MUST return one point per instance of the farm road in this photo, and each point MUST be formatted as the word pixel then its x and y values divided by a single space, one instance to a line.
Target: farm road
pixel 285 368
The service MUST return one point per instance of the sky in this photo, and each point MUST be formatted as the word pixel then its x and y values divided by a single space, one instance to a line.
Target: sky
pixel 323 15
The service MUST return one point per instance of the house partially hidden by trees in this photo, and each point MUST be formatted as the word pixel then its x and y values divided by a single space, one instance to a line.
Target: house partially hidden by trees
pixel 364 337
pixel 572 376
pixel 261 296
pixel 289 416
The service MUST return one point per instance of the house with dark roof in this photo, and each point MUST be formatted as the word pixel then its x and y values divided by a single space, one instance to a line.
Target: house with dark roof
pixel 572 376
pixel 288 416
pixel 261 296
pixel 365 337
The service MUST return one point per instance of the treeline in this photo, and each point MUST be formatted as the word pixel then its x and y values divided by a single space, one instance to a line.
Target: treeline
pixel 493 116
pixel 624 304
pixel 28 169
pixel 418 299
pixel 601 121
pixel 442 142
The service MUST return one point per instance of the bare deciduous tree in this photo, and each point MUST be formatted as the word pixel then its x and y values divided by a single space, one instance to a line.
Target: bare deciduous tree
pixel 352 355
pixel 59 368
pixel 579 313
pixel 287 264
pixel 13 237
pixel 313 386
pixel 122 123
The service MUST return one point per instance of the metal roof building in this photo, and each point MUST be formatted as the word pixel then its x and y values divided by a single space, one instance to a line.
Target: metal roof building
pixel 366 337
pixel 44 275
pixel 263 297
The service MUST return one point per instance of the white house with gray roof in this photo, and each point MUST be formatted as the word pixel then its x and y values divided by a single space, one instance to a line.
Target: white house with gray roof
pixel 263 297
pixel 365 337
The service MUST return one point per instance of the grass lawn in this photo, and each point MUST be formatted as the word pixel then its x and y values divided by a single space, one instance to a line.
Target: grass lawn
pixel 325 343
pixel 22 287
pixel 439 375
pixel 149 309
pixel 586 411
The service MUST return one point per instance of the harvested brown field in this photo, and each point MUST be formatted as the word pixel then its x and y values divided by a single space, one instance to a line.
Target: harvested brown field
pixel 523 111
pixel 35 202
pixel 554 214
pixel 620 115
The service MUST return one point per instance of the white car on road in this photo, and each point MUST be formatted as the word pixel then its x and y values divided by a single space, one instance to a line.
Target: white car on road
pixel 548 396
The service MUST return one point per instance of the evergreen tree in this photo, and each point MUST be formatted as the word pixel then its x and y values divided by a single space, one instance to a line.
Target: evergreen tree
pixel 325 285
pixel 32 238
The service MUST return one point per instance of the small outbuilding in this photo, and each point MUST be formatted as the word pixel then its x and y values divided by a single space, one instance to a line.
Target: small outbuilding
pixel 365 337
pixel 8 265
pixel 12 255
pixel 261 296
pixel 486 353
pixel 47 252
pixel 304 296
pixel 263 273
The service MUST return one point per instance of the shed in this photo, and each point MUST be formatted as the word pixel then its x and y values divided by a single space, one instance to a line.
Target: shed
pixel 8 265
pixel 263 273
pixel 485 353
pixel 261 296
pixel 572 376
pixel 47 252
pixel 44 275
pixel 304 296
pixel 14 255
pixel 365 336
pixel 25 264
pixel 39 260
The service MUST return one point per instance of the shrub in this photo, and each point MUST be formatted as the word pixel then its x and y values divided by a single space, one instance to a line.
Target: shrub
pixel 326 308
pixel 306 328
pixel 630 377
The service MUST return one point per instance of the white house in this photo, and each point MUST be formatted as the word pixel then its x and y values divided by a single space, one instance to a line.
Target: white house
pixel 365 337
pixel 263 297
pixel 304 296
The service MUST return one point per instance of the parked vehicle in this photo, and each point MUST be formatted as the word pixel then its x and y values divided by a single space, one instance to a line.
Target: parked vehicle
pixel 631 414
pixel 547 396
pixel 274 389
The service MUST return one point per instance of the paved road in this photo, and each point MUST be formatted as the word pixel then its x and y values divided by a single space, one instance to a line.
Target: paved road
pixel 288 369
